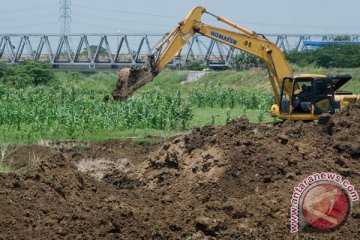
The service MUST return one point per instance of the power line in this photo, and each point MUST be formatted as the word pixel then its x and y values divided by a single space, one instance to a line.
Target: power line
pixel 114 30
pixel 126 12
pixel 120 20
pixel 98 25
pixel 26 17
pixel 212 20
pixel 28 9
pixel 28 25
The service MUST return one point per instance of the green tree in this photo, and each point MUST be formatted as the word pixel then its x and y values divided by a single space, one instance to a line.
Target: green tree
pixel 93 48
pixel 342 38
pixel 27 73
pixel 330 55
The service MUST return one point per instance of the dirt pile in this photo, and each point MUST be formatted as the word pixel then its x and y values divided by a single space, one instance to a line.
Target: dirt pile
pixel 54 199
pixel 236 182
pixel 231 182
pixel 129 80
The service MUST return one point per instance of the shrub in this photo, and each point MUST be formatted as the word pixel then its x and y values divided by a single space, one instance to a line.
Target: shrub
pixel 332 55
pixel 27 73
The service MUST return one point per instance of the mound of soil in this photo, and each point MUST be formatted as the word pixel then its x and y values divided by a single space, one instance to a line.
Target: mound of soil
pixel 230 182
pixel 129 80
pixel 54 199
pixel 236 182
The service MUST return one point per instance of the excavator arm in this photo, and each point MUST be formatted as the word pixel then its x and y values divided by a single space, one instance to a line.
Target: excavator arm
pixel 241 38
pixel 244 40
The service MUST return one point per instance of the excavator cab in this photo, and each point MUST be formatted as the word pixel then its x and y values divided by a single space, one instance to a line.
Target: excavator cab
pixel 305 97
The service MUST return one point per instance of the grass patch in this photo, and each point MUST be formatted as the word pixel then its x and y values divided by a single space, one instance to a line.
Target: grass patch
pixel 5 168
pixel 220 116
pixel 148 140
pixel 33 159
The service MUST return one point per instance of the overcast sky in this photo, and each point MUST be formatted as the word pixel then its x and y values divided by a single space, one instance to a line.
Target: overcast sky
pixel 159 16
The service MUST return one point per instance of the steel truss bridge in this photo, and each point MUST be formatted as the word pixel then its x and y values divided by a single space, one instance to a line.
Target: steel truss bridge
pixel 115 51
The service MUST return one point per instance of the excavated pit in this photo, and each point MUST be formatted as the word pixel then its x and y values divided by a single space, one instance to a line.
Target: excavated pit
pixel 228 182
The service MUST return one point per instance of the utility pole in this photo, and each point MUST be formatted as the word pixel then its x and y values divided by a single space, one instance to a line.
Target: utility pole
pixel 65 16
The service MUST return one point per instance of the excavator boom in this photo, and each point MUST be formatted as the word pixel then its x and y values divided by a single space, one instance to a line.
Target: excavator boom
pixel 244 40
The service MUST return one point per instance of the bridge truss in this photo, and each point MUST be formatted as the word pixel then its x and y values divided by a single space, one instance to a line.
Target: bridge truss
pixel 115 51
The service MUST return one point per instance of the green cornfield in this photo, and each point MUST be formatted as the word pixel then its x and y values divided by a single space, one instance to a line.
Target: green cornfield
pixel 56 111
pixel 230 98
pixel 68 111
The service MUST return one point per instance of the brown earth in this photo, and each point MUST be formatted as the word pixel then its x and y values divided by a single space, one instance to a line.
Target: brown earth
pixel 129 80
pixel 231 182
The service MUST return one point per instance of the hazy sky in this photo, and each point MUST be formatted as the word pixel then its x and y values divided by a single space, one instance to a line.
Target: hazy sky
pixel 158 16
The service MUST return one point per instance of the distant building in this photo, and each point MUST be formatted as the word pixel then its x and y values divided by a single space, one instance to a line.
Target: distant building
pixel 312 45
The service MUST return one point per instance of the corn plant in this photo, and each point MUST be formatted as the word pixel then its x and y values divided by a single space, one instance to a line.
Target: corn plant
pixel 228 98
pixel 56 110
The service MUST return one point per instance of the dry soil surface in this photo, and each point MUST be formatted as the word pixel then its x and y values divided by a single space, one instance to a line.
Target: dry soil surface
pixel 229 182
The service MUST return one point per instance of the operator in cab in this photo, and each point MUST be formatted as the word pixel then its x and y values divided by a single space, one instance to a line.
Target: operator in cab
pixel 302 101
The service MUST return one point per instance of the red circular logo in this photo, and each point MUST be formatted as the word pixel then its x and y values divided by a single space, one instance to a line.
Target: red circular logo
pixel 325 206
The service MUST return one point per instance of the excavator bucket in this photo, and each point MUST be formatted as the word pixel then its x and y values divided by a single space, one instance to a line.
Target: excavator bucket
pixel 129 80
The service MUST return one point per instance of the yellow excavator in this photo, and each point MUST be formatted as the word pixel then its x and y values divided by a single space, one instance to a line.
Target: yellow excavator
pixel 297 97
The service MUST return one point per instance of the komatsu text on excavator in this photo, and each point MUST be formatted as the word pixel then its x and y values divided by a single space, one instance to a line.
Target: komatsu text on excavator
pixel 297 97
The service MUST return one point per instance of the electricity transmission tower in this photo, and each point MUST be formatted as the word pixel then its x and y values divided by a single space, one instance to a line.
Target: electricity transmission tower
pixel 65 16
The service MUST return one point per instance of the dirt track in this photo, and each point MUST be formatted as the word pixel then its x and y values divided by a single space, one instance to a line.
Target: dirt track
pixel 232 182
